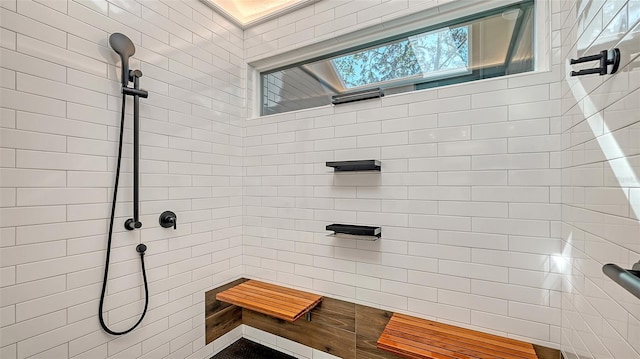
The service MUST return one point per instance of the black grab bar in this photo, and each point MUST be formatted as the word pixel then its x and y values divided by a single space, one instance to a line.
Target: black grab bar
pixel 628 279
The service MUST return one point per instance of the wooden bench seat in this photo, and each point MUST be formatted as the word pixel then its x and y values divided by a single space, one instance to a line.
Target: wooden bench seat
pixel 273 300
pixel 417 338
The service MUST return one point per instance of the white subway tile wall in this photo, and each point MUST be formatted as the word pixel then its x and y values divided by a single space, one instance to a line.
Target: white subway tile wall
pixel 600 172
pixel 60 115
pixel 468 196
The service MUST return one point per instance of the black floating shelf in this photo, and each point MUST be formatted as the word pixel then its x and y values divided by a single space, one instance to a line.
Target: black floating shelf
pixel 353 230
pixel 361 165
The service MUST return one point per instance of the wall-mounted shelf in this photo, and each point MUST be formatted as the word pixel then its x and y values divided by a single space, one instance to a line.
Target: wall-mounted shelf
pixel 358 232
pixel 361 165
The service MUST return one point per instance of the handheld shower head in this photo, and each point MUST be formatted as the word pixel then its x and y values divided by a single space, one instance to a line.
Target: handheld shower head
pixel 124 47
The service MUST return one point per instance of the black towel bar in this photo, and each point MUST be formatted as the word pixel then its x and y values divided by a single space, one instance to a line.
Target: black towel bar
pixel 628 279
pixel 604 63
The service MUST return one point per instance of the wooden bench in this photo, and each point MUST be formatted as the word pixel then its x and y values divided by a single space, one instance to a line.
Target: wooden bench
pixel 279 302
pixel 417 338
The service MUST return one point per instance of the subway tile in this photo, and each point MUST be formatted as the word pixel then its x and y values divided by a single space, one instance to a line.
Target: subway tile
pixel 439 310
pixel 510 194
pixel 473 147
pixel 16 100
pixel 503 323
pixel 511 259
pixel 461 178
pixel 511 291
pixel 59 161
pixel 534 211
pixel 534 144
pixel 31 290
pixel 440 164
pixel 57 125
pixel 8 39
pixel 357 280
pixel 60 56
pixel 27 64
pixel 453 193
pixel 510 129
pixel 510 161
pixel 7 118
pixel 440 135
pixel 474 302
pixel 534 110
pixel 7 315
pixel 8 78
pixel 511 226
pixel 394 151
pixel 382 298
pixel 470 88
pixel 535 177
pixel 409 290
pixel 18 332
pixel 32 253
pixel 473 209
pixel 535 279
pixel 474 271
pixel 452 223
pixel 33 28
pixel 382 272
pixel 59 20
pixel 510 97
pixel 473 117
pixel 535 313
pixel 440 105
pixel 20 216
pixel 410 124
pixel 32 141
pixel 49 88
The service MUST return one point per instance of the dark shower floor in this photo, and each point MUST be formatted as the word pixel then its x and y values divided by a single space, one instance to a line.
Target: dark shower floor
pixel 246 349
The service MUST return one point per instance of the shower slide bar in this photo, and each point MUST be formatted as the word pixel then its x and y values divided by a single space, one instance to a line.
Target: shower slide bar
pixel 136 92
pixel 628 279
pixel 123 46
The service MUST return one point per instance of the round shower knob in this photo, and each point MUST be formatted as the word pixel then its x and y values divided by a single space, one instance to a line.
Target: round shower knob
pixel 168 219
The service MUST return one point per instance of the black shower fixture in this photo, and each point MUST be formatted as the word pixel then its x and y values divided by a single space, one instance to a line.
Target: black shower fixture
pixel 604 61
pixel 168 219
pixel 124 47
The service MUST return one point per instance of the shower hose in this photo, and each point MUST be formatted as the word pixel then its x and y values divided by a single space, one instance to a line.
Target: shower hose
pixel 141 248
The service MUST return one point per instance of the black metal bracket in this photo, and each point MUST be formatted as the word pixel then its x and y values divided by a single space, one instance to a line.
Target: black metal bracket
pixel 355 230
pixel 357 96
pixel 603 58
pixel 360 165
pixel 628 279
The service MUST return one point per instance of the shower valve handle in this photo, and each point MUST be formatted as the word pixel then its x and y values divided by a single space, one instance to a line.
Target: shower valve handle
pixel 168 219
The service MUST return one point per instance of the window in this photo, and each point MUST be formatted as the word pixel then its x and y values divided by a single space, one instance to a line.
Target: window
pixel 440 53
pixel 490 44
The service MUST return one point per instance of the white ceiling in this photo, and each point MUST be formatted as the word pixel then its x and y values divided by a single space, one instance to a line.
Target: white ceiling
pixel 250 12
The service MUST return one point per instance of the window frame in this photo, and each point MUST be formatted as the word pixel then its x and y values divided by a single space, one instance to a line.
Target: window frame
pixel 349 44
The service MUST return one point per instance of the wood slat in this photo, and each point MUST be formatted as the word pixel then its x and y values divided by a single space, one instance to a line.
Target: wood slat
pixel 280 302
pixel 425 339
pixel 468 333
pixel 479 344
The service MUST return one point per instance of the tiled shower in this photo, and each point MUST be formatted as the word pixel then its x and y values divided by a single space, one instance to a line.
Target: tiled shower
pixel 499 200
